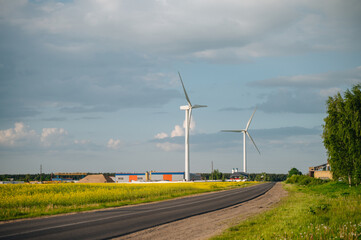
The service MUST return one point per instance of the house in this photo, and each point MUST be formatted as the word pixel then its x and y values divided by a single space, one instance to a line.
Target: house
pixel 238 176
pixel 322 171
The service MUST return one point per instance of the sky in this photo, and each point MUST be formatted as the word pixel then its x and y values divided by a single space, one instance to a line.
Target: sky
pixel 93 86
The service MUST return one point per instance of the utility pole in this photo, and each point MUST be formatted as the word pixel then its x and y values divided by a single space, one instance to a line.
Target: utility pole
pixel 41 172
pixel 212 170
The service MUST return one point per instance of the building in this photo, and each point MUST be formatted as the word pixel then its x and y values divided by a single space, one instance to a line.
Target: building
pixel 238 176
pixel 97 178
pixel 151 176
pixel 129 177
pixel 322 171
pixel 166 176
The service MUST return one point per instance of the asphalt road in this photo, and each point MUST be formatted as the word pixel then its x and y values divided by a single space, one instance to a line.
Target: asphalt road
pixel 110 223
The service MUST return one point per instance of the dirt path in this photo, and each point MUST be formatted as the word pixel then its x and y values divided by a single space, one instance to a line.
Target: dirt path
pixel 207 225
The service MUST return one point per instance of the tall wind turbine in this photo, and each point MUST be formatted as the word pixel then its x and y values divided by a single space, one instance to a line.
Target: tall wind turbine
pixel 188 110
pixel 245 131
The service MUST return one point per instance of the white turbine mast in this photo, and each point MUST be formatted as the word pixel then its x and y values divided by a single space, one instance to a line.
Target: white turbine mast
pixel 188 111
pixel 245 131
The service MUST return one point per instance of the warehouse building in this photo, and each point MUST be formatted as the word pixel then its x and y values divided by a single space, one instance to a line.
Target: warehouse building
pixel 129 177
pixel 166 176
pixel 149 177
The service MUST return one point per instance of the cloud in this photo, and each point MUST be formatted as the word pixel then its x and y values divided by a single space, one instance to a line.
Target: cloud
pixel 161 135
pixel 168 146
pixel 178 131
pixel 17 136
pixel 96 56
pixel 303 93
pixel 21 137
pixel 53 136
pixel 294 101
pixel 294 137
pixel 114 144
pixel 326 80
pixel 170 142
pixel 228 29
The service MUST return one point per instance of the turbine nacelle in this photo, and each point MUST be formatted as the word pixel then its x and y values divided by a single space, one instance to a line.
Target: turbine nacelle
pixel 185 107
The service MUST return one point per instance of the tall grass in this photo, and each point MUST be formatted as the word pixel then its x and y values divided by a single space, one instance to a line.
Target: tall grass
pixel 323 211
pixel 27 200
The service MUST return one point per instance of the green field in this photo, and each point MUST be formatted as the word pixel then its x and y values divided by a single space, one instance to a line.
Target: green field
pixel 31 200
pixel 316 211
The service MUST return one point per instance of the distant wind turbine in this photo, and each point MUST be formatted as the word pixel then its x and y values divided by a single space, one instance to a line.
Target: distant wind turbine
pixel 188 111
pixel 245 131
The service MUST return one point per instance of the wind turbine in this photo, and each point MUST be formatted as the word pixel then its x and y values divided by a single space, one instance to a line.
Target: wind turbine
pixel 188 111
pixel 245 131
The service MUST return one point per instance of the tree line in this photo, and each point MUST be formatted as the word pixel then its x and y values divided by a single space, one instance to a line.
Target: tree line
pixel 342 135
pixel 217 175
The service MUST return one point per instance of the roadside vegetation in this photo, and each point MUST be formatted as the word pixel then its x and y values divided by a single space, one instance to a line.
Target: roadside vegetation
pixel 314 209
pixel 342 135
pixel 31 200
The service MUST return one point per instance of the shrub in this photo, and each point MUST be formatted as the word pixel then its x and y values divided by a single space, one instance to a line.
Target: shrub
pixel 304 180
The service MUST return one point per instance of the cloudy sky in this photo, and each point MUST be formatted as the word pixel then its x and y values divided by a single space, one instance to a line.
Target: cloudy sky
pixel 93 85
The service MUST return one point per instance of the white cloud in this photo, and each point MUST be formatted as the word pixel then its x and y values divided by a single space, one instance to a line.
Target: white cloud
pixel 114 144
pixel 53 136
pixel 168 147
pixel 19 135
pixel 161 135
pixel 22 137
pixel 178 131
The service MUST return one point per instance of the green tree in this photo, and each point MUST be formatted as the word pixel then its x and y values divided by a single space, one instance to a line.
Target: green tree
pixel 342 135
pixel 294 171
pixel 216 174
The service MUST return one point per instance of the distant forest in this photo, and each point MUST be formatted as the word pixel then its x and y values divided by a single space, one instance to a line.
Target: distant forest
pixel 205 176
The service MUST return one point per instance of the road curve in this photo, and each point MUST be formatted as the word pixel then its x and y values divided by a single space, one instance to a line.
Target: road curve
pixel 110 223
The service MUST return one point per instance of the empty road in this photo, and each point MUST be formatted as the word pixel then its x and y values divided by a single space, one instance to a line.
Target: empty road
pixel 109 223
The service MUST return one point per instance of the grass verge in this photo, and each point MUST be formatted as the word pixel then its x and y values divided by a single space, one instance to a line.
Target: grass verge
pixel 321 211
pixel 27 200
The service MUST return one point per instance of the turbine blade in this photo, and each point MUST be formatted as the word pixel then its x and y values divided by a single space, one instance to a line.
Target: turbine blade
pixel 199 106
pixel 249 136
pixel 249 121
pixel 231 130
pixel 185 92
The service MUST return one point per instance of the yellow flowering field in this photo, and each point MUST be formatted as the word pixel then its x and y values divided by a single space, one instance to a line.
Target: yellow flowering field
pixel 30 200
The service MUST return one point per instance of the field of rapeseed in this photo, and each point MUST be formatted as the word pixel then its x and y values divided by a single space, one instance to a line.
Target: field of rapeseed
pixel 30 200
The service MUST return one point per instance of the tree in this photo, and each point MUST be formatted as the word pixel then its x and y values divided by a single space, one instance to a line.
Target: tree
pixel 342 135
pixel 294 171
pixel 216 174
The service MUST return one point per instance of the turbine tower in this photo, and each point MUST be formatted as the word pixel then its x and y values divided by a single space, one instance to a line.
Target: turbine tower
pixel 245 131
pixel 188 111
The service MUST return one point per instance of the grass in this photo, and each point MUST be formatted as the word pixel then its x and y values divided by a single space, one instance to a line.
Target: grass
pixel 329 210
pixel 28 200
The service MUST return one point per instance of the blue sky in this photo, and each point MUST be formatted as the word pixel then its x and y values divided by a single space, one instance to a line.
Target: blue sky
pixel 92 86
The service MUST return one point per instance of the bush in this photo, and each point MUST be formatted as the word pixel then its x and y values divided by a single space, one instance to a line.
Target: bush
pixel 304 180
